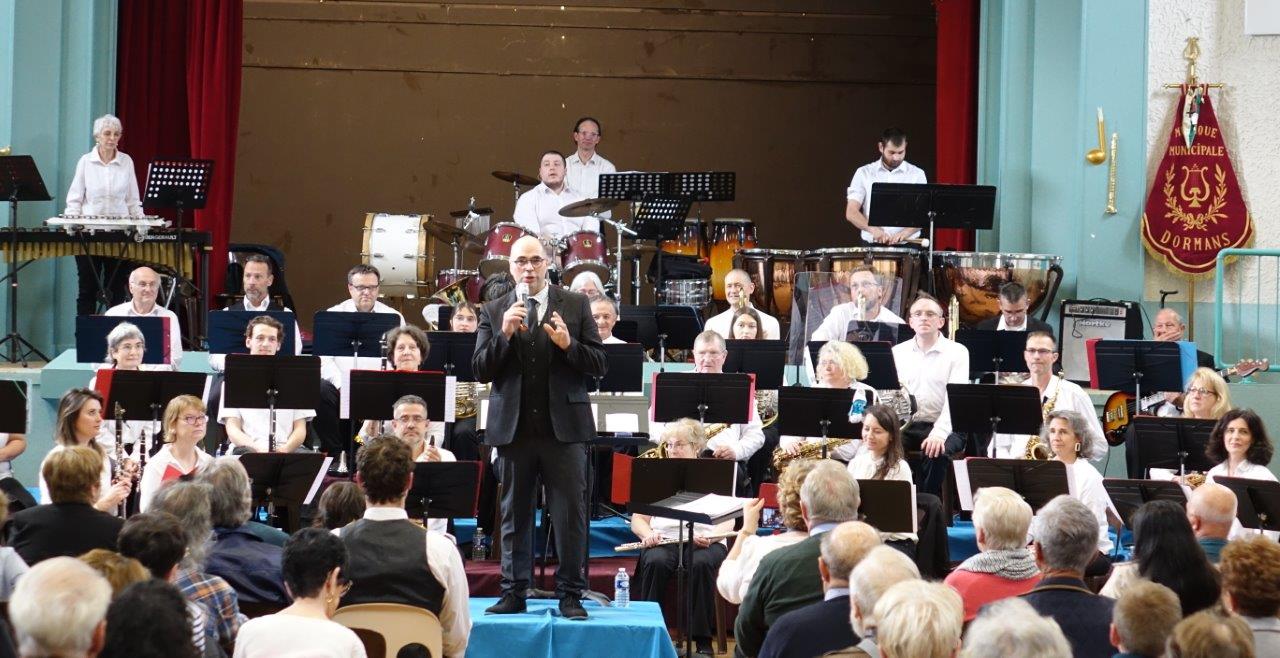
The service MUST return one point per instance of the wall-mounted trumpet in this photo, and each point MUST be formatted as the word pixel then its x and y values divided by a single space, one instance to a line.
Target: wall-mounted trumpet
pixel 1099 155
pixel 1111 176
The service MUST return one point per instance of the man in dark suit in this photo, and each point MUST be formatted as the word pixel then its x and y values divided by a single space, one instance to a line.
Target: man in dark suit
pixel 538 345
pixel 1064 541
pixel 824 626
pixel 69 525
pixel 1014 305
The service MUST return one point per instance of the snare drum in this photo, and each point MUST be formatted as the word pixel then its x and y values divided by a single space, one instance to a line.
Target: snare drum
pixel 497 247
pixel 690 292
pixel 397 246
pixel 773 273
pixel 469 285
pixel 898 268
pixel 730 235
pixel 687 242
pixel 975 278
pixel 584 251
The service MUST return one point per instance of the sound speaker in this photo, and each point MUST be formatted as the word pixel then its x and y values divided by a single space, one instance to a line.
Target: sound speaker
pixel 1082 319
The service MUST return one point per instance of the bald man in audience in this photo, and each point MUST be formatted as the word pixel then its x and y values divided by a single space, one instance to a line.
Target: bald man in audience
pixel 1211 511
pixel 879 571
pixel 824 626
pixel 144 290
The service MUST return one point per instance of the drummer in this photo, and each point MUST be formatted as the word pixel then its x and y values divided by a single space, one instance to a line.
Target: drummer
pixel 891 167
pixel 866 305
pixel 738 289
pixel 538 210
pixel 584 167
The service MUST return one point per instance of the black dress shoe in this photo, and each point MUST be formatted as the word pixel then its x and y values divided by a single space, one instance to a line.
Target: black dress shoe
pixel 571 607
pixel 509 604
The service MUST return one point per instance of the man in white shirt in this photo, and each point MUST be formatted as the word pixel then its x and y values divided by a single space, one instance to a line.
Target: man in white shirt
pixel 1041 353
pixel 891 167
pixel 605 314
pixel 409 423
pixel 926 364
pixel 585 166
pixel 248 429
pixel 539 209
pixel 738 441
pixel 866 306
pixel 1014 316
pixel 738 289
pixel 144 287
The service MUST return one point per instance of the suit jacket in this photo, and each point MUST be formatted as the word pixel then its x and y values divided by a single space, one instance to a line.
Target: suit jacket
pixel 786 579
pixel 56 529
pixel 497 360
pixel 1033 324
pixel 810 631
pixel 1085 617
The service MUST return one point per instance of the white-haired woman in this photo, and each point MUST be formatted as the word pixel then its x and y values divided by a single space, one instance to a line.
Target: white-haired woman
pixel 105 182
pixel 1004 566
pixel 840 365
pixel 1066 433
pixel 125 349
pixel 589 284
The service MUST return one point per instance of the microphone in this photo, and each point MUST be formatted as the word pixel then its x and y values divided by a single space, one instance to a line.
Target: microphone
pixel 522 293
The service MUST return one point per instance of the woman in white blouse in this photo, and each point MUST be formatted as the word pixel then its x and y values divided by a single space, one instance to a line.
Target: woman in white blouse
pixel 1240 446
pixel 840 365
pixel 185 423
pixel 739 567
pixel 105 182
pixel 1065 433
pixel 79 421
pixel 881 458
pixel 126 347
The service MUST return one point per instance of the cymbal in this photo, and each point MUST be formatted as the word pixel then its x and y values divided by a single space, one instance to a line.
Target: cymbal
pixel 443 231
pixel 639 248
pixel 515 177
pixel 473 247
pixel 588 207
pixel 458 214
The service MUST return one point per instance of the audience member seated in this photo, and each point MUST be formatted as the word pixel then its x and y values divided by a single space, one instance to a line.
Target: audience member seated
pixel 189 501
pixel 1065 541
pixel 1211 634
pixel 340 504
pixel 1143 619
pixel 1011 627
pixel 824 626
pixel 227 478
pixel 120 571
pixel 919 619
pixel 12 566
pixel 1211 511
pixel 156 540
pixel 739 567
pixel 70 525
pixel 314 561
pixel 788 578
pixel 381 570
pixel 78 422
pixel 1004 566
pixel 881 458
pixel 237 554
pixel 1251 588
pixel 685 439
pixel 881 569
pixel 1165 551
pixel 59 609
pixel 181 456
pixel 148 620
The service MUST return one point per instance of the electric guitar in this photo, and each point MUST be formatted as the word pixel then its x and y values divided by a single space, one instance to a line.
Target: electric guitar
pixel 1121 407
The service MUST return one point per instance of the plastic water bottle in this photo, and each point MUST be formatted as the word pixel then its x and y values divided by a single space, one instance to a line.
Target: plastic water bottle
pixel 479 546
pixel 622 589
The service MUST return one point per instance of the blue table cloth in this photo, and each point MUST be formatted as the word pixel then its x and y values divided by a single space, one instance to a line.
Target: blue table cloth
pixel 541 632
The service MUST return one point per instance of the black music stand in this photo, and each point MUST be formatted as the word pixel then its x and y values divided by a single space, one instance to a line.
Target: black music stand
pixel 864 331
pixel 1170 443
pixel 13 406
pixel 1128 495
pixel 342 333
pixel 888 505
pixel 374 393
pixel 226 330
pixel 1134 365
pixel 271 382
pixel 660 486
pixel 288 480
pixel 664 326
pixel 624 369
pixel 182 184
pixel 19 181
pixel 661 217
pixel 805 411
pixel 634 186
pixel 995 408
pixel 763 358
pixel 709 397
pixel 932 206
pixel 1038 482
pixel 451 353
pixel 624 374
pixel 443 490
pixel 92 330
pixel 994 351
pixel 882 370
pixel 1258 502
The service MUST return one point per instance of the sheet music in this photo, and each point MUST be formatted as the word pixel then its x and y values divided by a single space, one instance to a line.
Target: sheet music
pixel 714 505
pixel 622 422
pixel 965 493
pixel 315 485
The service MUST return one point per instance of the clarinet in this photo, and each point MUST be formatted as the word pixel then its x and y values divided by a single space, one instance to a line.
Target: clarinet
pixel 118 464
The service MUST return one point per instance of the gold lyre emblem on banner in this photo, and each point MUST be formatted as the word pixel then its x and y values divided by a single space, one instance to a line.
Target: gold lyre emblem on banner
pixel 1194 190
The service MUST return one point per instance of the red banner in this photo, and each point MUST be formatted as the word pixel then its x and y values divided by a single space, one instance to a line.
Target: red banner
pixel 1195 208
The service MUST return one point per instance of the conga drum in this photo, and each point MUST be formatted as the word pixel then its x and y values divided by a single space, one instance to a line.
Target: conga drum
pixel 729 236
pixel 773 272
pixel 686 244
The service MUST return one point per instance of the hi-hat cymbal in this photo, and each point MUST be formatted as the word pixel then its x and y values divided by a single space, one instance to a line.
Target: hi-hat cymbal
pixel 515 177
pixel 639 248
pixel 588 207
pixel 443 231
pixel 458 214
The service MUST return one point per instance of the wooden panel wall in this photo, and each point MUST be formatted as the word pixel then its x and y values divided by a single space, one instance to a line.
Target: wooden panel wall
pixel 353 107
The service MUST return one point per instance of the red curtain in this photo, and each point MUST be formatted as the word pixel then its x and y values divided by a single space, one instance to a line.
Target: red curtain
pixel 178 95
pixel 957 104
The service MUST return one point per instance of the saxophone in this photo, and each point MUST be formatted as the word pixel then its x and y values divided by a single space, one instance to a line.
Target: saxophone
pixel 1035 448
pixel 953 317
pixel 660 451
pixel 782 459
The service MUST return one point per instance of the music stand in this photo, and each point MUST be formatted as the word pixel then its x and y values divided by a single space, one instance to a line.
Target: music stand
pixel 143 395
pixel 1258 502
pixel 181 184
pixel 288 480
pixel 443 490
pixel 624 369
pixel 1170 442
pixel 659 487
pixel 374 393
pixel 865 331
pixel 19 181
pixel 1002 351
pixel 92 330
pixel 888 505
pixel 13 406
pixel 709 397
pixel 226 330
pixel 1038 482
pixel 763 358
pixel 661 217
pixel 664 326
pixel 995 408
pixel 1132 365
pixel 271 382
pixel 342 333
pixel 804 411
pixel 932 206
pixel 451 353
pixel 633 186
pixel 1128 495
pixel 882 370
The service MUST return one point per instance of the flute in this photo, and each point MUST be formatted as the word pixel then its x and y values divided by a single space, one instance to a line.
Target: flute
pixel 715 536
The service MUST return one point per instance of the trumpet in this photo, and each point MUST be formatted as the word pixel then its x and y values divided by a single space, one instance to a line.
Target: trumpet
pixel 635 545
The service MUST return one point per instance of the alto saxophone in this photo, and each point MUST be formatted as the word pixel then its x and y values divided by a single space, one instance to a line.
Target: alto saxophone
pixel 660 451
pixel 782 458
pixel 1036 449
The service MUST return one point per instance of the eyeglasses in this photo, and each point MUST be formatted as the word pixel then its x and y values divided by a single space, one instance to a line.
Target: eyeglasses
pixel 147 285
pixel 672 445
pixel 1201 391
pixel 416 420
pixel 1038 351
pixel 926 314
pixel 589 135
pixel 536 261
pixel 372 288
pixel 196 420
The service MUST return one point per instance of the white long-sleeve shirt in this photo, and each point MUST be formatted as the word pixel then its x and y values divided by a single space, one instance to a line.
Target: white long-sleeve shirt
pixel 926 374
pixel 153 474
pixel 539 211
pixel 1069 397
pixel 336 369
pixel 743 438
pixel 104 188
pixel 1089 490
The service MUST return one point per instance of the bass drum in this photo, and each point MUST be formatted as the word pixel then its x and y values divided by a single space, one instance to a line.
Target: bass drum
pixel 729 236
pixel 898 268
pixel 397 246
pixel 974 279
pixel 773 272
pixel 497 247
pixel 584 251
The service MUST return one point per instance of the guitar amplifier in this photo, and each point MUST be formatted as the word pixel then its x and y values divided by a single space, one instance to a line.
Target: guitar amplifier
pixel 1082 319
